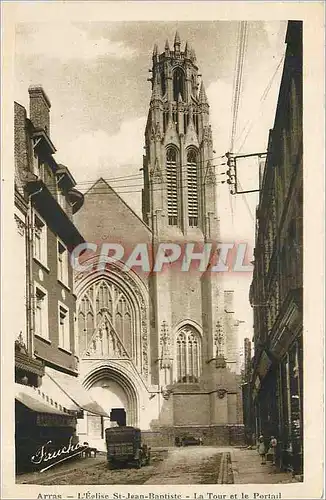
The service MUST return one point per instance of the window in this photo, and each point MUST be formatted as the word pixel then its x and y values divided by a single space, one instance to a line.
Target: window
pixel 64 330
pixel 62 263
pixel 40 240
pixel 38 165
pixel 192 179
pixel 172 186
pixel 178 84
pixel 104 297
pixel 41 312
pixel 188 355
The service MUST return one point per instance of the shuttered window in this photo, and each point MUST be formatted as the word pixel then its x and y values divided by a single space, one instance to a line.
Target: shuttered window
pixel 172 186
pixel 192 180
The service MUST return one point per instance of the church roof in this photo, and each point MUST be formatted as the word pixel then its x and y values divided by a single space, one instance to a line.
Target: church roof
pixel 105 186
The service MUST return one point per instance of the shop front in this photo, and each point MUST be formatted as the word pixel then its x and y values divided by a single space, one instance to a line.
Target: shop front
pixel 291 408
pixel 39 424
pixel 46 418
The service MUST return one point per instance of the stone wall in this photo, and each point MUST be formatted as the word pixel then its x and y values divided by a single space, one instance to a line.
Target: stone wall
pixel 219 435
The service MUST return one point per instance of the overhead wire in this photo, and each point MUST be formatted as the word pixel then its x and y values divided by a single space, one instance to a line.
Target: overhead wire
pixel 80 186
pixel 263 98
pixel 238 77
pixel 242 38
pixel 139 175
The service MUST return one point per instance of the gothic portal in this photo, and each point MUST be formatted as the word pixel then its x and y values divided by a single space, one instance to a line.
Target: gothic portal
pixel 162 345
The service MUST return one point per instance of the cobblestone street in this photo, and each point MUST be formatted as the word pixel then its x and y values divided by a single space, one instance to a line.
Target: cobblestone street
pixel 191 465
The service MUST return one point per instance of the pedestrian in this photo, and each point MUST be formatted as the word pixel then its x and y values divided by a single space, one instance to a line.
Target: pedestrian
pixel 272 447
pixel 262 449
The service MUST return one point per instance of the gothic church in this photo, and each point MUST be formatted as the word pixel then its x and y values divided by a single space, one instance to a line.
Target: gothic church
pixel 158 350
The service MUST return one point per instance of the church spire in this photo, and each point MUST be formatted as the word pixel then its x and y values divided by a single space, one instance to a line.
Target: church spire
pixel 177 41
pixel 187 47
pixel 202 94
pixel 192 54
pixel 155 50
pixel 167 48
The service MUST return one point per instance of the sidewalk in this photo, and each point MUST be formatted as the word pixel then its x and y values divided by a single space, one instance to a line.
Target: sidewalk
pixel 247 469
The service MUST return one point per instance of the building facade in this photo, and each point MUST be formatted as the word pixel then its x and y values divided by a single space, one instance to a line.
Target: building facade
pixel 159 349
pixel 48 397
pixel 248 416
pixel 276 290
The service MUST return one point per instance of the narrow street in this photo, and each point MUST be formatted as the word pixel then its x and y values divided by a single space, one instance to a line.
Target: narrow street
pixel 191 465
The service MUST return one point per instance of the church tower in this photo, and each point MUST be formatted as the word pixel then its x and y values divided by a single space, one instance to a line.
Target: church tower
pixel 179 182
pixel 179 204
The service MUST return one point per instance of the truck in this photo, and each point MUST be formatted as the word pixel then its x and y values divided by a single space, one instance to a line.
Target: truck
pixel 124 445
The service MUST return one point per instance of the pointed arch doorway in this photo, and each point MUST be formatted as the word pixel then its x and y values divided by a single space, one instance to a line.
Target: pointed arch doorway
pixel 111 388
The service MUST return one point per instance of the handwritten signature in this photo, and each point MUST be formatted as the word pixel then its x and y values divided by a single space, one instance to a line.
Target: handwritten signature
pixel 42 455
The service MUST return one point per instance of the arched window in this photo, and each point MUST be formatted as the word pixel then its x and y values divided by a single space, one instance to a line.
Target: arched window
pixel 104 297
pixel 172 186
pixel 192 181
pixel 188 354
pixel 178 84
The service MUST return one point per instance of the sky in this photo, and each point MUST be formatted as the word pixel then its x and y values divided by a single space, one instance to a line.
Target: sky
pixel 95 75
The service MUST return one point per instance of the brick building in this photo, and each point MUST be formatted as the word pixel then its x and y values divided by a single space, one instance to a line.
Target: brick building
pixel 161 347
pixel 276 290
pixel 48 397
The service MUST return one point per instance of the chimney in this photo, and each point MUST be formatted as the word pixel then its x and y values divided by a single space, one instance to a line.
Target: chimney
pixel 39 108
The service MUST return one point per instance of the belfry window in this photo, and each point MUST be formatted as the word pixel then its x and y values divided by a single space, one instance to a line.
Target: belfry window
pixel 188 355
pixel 172 186
pixel 178 84
pixel 192 182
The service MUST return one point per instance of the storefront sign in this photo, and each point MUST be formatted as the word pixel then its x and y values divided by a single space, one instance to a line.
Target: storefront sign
pixel 54 420
pixel 43 455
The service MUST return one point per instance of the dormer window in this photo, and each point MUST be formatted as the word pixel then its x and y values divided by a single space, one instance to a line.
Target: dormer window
pixel 38 166
pixel 61 199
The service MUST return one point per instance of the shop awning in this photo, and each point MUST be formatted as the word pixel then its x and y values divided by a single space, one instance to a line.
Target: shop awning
pixel 46 414
pixel 29 397
pixel 72 387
